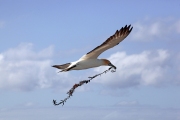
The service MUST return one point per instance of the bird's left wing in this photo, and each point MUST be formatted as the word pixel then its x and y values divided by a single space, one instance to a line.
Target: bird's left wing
pixel 112 41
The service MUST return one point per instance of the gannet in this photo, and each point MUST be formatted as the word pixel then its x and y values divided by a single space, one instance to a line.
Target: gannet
pixel 90 60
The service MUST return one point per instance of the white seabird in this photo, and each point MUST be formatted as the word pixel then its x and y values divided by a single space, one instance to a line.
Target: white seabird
pixel 90 60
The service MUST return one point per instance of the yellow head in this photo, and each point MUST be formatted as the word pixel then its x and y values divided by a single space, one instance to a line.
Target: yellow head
pixel 107 63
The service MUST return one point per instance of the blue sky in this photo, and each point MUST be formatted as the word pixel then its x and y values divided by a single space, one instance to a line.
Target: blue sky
pixel 34 35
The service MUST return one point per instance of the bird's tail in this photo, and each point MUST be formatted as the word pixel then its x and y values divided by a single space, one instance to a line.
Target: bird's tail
pixel 62 66
pixel 68 69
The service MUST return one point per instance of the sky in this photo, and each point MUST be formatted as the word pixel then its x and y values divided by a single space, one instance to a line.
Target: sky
pixel 36 34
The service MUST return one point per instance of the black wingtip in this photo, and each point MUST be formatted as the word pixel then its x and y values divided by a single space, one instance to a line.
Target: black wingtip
pixel 131 29
pixel 129 26
pixel 125 26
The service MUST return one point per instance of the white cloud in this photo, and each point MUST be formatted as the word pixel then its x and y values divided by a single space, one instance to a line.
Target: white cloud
pixel 152 30
pixel 25 51
pixel 146 68
pixel 23 68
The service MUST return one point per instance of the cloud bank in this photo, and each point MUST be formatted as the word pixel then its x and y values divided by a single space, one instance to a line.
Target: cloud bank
pixel 24 68
pixel 148 29
pixel 150 68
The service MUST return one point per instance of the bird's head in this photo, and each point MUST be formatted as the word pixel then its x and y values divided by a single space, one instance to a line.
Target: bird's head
pixel 108 63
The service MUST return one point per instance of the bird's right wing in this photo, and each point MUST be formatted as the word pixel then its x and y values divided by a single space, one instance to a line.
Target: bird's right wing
pixel 112 41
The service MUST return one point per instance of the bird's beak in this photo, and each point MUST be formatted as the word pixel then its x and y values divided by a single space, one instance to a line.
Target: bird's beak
pixel 110 64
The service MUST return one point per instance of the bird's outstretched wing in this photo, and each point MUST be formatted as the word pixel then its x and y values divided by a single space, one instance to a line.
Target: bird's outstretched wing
pixel 112 41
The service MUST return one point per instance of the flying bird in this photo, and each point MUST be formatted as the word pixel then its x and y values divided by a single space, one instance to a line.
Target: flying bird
pixel 90 60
